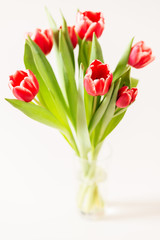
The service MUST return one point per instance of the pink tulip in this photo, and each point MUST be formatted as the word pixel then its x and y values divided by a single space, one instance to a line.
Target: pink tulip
pixel 140 55
pixel 97 79
pixel 44 39
pixel 24 85
pixel 126 96
pixel 88 23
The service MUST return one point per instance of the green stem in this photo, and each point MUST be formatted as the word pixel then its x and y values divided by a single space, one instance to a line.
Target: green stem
pixel 37 102
pixel 94 105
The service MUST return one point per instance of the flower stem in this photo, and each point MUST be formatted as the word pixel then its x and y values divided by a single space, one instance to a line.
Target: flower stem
pixel 94 105
pixel 37 102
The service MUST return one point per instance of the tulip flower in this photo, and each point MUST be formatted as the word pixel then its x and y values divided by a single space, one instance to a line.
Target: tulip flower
pixel 126 96
pixel 24 85
pixel 88 23
pixel 44 39
pixel 98 78
pixel 72 35
pixel 140 55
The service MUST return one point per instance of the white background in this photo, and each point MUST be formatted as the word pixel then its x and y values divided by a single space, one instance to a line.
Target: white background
pixel 37 179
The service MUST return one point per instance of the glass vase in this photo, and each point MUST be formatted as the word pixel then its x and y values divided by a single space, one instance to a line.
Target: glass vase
pixel 92 189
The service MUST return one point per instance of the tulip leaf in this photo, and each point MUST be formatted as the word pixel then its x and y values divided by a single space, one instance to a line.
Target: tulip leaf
pixel 113 123
pixel 109 113
pixel 82 129
pixel 101 110
pixel 57 54
pixel 45 95
pixel 125 78
pixel 118 116
pixel 68 71
pixel 121 66
pixel 84 53
pixel 37 113
pixel 96 51
pixel 44 116
pixel 134 82
pixel 67 38
pixel 88 100
pixel 46 72
pixel 53 27
pixel 29 64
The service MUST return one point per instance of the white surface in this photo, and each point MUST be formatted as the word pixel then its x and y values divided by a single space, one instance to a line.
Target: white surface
pixel 37 181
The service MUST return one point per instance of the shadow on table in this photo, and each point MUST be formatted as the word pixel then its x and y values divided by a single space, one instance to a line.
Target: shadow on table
pixel 130 210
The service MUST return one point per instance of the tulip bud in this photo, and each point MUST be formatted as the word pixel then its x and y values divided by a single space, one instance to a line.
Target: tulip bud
pixel 24 85
pixel 126 96
pixel 140 55
pixel 88 23
pixel 72 35
pixel 44 39
pixel 98 78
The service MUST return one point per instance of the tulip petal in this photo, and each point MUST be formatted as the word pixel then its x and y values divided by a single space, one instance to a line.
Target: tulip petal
pixel 134 56
pixel 28 84
pixel 134 95
pixel 44 39
pixel 89 85
pixel 34 80
pixel 16 78
pixel 122 90
pixel 99 86
pixel 107 84
pixel 98 78
pixel 123 101
pixel 23 94
pixel 88 23
pixel 92 16
pixel 144 61
pixel 140 55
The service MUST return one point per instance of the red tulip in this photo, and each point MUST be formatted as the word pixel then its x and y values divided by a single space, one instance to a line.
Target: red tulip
pixel 44 39
pixel 88 23
pixel 126 96
pixel 140 55
pixel 24 85
pixel 97 79
pixel 72 35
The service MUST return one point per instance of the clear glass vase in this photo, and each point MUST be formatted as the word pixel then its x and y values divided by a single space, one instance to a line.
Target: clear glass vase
pixel 92 189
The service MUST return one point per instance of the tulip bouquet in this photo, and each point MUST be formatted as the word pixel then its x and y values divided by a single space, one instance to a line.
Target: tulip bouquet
pixel 85 109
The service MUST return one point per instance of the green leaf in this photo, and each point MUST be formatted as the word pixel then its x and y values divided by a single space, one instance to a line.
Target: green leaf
pixel 68 40
pixel 100 130
pixel 37 113
pixel 44 95
pixel 134 82
pixel 42 115
pixel 125 78
pixel 84 53
pixel 48 76
pixel 45 70
pixel 118 116
pixel 57 54
pixel 68 72
pixel 82 129
pixel 96 51
pixel 101 110
pixel 121 66
pixel 113 123
pixel 53 27
pixel 88 100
